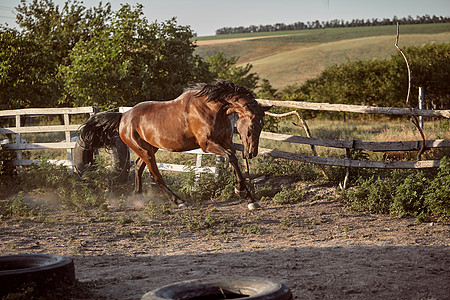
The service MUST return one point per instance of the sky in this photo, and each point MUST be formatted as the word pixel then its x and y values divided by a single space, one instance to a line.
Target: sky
pixel 206 16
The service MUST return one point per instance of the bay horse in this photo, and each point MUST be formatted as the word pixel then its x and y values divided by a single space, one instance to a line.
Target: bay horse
pixel 198 118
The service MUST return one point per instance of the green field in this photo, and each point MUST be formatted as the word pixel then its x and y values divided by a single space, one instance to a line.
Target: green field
pixel 291 57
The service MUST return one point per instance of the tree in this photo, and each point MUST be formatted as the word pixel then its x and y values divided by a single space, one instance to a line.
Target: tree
pixel 131 61
pixel 384 82
pixel 225 68
pixel 29 57
pixel 60 29
pixel 26 72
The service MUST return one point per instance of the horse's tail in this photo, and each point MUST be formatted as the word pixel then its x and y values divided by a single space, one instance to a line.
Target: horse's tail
pixel 100 130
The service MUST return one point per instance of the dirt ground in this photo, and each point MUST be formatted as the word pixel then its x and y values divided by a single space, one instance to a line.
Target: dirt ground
pixel 318 247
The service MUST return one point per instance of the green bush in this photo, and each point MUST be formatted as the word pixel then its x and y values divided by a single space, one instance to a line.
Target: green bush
pixel 16 208
pixel 409 196
pixel 373 195
pixel 420 194
pixel 437 194
pixel 382 82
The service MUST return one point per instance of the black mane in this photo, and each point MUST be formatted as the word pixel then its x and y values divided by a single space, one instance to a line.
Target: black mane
pixel 220 90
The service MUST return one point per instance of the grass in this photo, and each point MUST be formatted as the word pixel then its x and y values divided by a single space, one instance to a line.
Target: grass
pixel 94 188
pixel 301 55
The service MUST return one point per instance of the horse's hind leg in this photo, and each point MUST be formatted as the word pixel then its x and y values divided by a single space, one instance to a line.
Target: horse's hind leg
pixel 146 154
pixel 139 167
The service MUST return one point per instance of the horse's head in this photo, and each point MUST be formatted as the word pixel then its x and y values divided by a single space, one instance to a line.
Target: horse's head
pixel 239 100
pixel 249 124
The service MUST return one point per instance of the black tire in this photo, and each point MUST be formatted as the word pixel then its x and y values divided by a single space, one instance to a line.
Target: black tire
pixel 44 271
pixel 120 155
pixel 82 156
pixel 251 288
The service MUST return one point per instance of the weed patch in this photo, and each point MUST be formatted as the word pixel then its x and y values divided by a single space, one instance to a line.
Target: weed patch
pixel 16 208
pixel 285 196
pixel 404 193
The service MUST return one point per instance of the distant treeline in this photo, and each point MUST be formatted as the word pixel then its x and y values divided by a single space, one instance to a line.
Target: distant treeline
pixel 426 19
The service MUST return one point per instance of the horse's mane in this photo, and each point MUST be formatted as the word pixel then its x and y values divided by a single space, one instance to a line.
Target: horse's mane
pixel 220 90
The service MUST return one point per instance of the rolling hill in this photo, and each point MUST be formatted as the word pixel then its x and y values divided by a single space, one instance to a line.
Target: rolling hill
pixel 291 57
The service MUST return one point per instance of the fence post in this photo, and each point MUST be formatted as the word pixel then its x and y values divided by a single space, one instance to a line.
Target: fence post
pixel 421 106
pixel 67 135
pixel 18 140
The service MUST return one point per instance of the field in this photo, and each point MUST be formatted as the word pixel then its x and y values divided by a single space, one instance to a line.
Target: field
pixel 317 246
pixel 291 57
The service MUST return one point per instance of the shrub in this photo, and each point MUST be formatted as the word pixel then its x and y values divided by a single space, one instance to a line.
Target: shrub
pixel 404 193
pixel 409 196
pixel 16 208
pixel 373 195
pixel 278 166
pixel 437 194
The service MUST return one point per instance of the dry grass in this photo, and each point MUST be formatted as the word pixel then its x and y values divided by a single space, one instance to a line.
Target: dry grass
pixel 288 65
pixel 293 57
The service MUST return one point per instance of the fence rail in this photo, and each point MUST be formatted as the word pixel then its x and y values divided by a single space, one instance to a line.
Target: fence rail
pixel 364 109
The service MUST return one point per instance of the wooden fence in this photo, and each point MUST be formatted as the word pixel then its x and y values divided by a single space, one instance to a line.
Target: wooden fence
pixel 354 144
pixel 19 146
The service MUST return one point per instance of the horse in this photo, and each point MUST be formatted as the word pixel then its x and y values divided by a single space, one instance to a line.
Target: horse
pixel 198 118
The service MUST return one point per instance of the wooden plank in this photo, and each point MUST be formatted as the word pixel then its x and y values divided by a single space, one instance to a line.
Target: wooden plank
pixel 305 140
pixel 182 168
pixel 195 151
pixel 37 129
pixel 34 146
pixel 46 111
pixel 445 113
pixel 358 145
pixel 346 162
pixel 29 162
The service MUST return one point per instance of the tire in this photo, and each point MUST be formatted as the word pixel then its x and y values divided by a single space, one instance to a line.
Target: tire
pixel 250 288
pixel 45 271
pixel 82 156
pixel 120 156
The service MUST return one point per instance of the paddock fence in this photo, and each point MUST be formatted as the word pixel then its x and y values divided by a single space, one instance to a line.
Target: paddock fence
pixel 351 145
pixel 19 145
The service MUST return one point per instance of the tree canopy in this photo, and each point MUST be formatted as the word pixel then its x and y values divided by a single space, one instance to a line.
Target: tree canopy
pixel 73 56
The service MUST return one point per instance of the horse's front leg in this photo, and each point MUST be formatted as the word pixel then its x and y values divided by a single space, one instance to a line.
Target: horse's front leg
pixel 241 188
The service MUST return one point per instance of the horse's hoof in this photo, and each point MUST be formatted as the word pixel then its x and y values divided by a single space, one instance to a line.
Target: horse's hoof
pixel 253 206
pixel 183 205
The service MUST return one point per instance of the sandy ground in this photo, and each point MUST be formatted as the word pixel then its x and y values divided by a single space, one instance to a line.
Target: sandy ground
pixel 319 248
